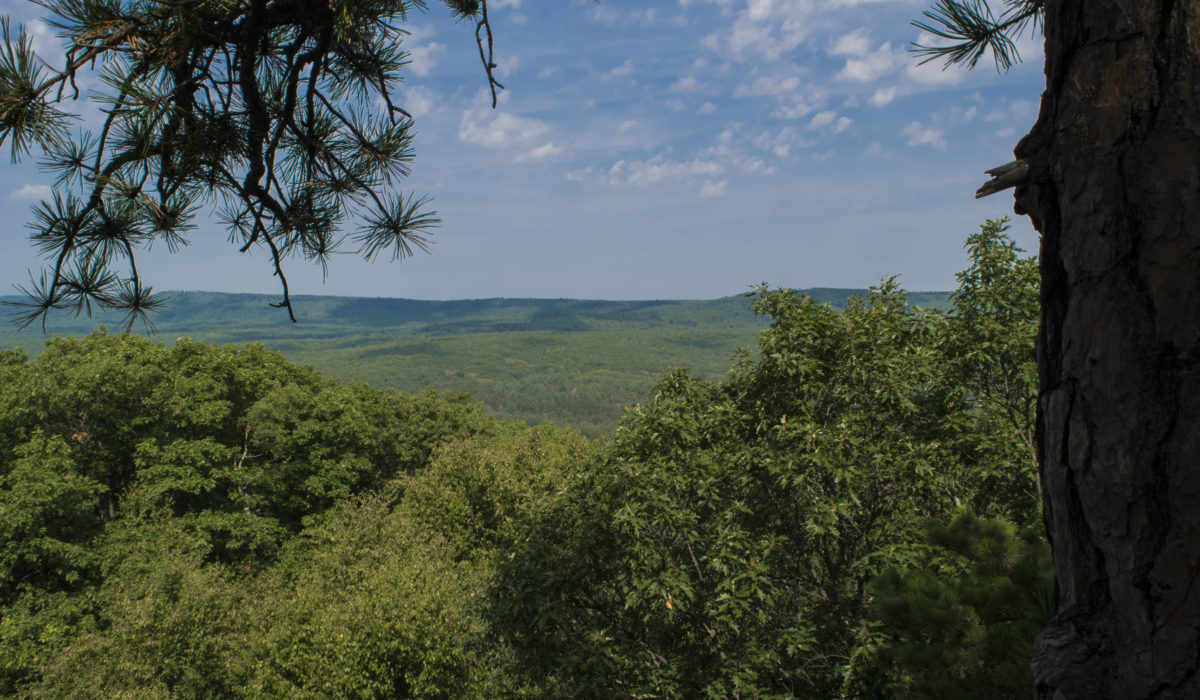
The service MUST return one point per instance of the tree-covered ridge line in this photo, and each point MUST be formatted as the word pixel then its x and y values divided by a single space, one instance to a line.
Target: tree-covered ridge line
pixel 568 361
pixel 322 316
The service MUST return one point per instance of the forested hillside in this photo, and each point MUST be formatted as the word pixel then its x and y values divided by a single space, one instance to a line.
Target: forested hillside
pixel 571 362
pixel 851 512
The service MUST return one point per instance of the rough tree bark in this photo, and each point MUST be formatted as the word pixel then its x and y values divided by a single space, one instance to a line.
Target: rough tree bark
pixel 1115 192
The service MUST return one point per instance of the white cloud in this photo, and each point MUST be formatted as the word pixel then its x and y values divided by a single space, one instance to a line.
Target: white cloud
pixel 579 175
pixel 723 146
pixel 546 150
pixel 43 39
pixel 766 28
pixel 627 125
pixel 842 124
pixel 792 111
pixel 30 193
pixel 852 44
pixel 498 129
pixel 713 189
pixel 422 55
pixel 1031 47
pixel 1015 111
pixel 508 65
pixel 706 108
pixel 822 119
pixel 612 17
pixel 688 84
pixel 919 135
pixel 780 143
pixel 659 169
pixel 883 96
pixel 419 101
pixel 423 59
pixel 869 66
pixel 844 4
pixel 622 70
pixel 933 73
pixel 763 85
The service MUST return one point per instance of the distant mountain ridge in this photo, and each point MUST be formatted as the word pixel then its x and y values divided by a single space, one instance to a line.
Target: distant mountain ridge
pixel 318 316
pixel 576 362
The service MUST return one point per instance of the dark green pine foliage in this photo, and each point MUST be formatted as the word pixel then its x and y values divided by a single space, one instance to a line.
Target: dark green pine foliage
pixel 961 621
pixel 280 114
pixel 965 30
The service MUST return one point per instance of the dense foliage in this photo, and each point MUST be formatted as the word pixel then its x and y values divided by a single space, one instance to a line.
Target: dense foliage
pixel 850 513
pixel 726 545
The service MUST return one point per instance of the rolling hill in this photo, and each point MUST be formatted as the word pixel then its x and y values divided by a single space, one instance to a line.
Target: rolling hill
pixel 570 361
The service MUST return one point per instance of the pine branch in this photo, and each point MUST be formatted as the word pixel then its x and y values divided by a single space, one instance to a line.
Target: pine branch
pixel 264 105
pixel 973 30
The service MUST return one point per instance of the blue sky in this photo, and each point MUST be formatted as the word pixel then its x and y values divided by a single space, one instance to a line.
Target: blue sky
pixel 673 149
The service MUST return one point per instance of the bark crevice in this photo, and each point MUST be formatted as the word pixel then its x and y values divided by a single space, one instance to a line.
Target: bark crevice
pixel 1114 191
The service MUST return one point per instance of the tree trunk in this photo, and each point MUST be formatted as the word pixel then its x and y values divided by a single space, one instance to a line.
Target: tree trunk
pixel 1115 192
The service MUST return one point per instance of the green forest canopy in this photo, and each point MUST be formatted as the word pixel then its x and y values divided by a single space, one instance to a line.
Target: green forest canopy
pixel 572 362
pixel 851 512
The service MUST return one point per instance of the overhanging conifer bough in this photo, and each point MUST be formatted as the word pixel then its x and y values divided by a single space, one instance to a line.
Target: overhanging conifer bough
pixel 279 114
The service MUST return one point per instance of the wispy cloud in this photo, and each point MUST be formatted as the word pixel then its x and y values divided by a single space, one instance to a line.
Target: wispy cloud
pixel 419 101
pixel 919 135
pixel 862 63
pixel 659 169
pixel 498 129
pixel 687 84
pixel 822 119
pixel 30 193
pixel 423 54
pixel 773 85
pixel 764 29
pixel 713 189
pixel 620 71
pixel 883 96
pixel 543 152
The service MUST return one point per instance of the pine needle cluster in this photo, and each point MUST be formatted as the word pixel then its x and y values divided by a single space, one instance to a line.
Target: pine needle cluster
pixel 279 114
pixel 967 29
